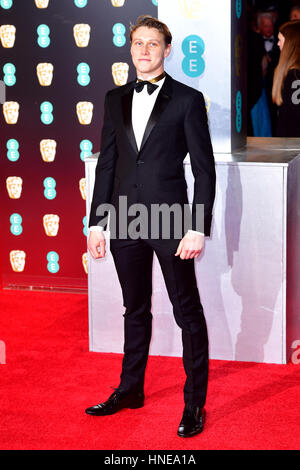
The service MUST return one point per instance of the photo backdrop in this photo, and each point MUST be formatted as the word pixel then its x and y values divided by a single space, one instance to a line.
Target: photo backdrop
pixel 56 60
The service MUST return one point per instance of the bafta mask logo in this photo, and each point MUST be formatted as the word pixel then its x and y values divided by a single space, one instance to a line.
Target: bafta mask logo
pixel 84 111
pixel 192 9
pixel 17 260
pixel 48 149
pixel 120 73
pixel 85 262
pixel 117 3
pixel 45 73
pixel 14 186
pixel 11 112
pixel 82 188
pixel 51 224
pixel 82 34
pixel 42 3
pixel 7 35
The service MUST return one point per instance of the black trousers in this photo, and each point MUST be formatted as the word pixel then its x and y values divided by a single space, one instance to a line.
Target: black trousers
pixel 133 260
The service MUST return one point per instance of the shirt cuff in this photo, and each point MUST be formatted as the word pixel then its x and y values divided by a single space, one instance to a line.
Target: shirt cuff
pixel 96 228
pixel 195 231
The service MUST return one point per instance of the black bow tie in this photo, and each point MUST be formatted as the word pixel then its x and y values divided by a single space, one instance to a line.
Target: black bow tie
pixel 269 39
pixel 150 86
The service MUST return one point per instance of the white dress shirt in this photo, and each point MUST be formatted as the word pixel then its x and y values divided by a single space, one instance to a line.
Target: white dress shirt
pixel 142 106
pixel 269 43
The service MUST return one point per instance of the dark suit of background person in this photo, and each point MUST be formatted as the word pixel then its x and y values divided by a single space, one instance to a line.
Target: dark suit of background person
pixel 273 56
pixel 153 173
pixel 256 52
pixel 288 124
pixel 267 28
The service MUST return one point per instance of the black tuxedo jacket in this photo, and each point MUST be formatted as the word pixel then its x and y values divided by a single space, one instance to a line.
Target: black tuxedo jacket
pixel 155 174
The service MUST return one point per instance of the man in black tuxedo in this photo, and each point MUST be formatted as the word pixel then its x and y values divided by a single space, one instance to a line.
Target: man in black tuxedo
pixel 149 126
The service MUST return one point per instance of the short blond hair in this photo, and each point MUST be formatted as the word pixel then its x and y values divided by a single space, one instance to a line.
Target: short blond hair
pixel 151 22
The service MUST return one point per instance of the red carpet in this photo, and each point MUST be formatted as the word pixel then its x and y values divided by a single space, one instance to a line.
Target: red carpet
pixel 50 377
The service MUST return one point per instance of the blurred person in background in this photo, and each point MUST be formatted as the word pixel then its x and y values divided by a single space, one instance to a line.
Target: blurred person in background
pixel 286 86
pixel 295 13
pixel 266 28
pixel 262 60
pixel 256 54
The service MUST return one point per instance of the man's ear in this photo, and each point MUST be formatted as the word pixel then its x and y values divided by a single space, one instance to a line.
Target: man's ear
pixel 167 51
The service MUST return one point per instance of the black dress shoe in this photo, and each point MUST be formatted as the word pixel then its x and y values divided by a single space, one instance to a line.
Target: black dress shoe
pixel 192 421
pixel 116 402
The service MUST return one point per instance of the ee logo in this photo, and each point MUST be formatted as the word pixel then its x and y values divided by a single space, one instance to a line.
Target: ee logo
pixel 46 110
pixel 83 71
pixel 9 71
pixel 238 8
pixel 12 146
pixel 6 4
pixel 193 48
pixel 52 258
pixel 49 191
pixel 155 2
pixel 16 224
pixel 84 226
pixel 86 148
pixel 238 106
pixel 43 35
pixel 119 38
pixel 80 3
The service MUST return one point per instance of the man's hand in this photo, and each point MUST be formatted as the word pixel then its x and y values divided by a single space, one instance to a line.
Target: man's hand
pixel 96 244
pixel 190 246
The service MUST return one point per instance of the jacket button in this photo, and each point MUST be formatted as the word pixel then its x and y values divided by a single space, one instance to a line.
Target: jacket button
pixel 139 162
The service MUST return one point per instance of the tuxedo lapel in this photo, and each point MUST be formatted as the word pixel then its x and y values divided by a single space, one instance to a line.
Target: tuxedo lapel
pixel 160 105
pixel 126 110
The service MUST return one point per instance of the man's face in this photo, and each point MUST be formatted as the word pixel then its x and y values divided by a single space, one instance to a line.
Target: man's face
pixel 148 52
pixel 266 27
